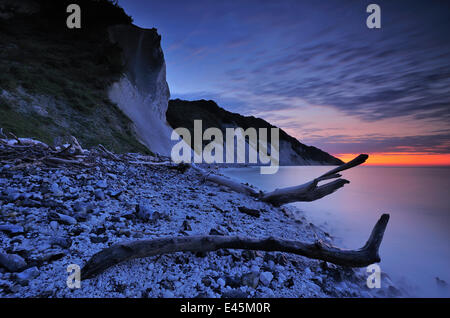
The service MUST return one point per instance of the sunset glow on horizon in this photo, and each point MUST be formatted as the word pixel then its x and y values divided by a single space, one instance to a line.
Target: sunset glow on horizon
pixel 401 159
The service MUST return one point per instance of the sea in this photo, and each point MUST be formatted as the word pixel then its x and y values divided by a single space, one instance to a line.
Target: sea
pixel 415 251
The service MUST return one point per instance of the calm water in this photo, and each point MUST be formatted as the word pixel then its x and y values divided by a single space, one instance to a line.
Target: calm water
pixel 415 249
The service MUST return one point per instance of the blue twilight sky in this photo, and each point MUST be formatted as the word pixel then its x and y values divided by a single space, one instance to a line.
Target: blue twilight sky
pixel 314 68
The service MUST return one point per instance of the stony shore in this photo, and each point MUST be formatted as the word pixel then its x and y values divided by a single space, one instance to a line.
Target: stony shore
pixel 51 217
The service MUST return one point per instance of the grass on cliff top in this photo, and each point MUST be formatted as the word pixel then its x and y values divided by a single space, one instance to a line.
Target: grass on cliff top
pixel 74 69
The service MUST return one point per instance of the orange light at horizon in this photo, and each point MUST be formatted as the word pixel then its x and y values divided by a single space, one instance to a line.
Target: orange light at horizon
pixel 401 159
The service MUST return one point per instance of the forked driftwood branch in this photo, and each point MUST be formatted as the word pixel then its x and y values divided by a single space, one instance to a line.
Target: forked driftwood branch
pixel 121 252
pixel 309 191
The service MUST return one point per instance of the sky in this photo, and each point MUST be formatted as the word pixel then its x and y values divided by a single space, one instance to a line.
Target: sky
pixel 314 69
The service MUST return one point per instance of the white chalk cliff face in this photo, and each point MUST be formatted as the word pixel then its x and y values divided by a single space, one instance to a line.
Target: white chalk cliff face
pixel 142 93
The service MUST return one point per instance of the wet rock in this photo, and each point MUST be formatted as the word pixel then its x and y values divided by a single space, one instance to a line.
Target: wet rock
pixel 98 239
pixel 102 184
pixel 99 195
pixel 289 282
pixel 206 281
pixel 251 212
pixel 63 242
pixel 12 194
pixel 73 190
pixel 129 215
pixel 249 255
pixel 186 226
pixel 168 294
pixel 232 281
pixel 218 231
pixel 234 294
pixel 65 180
pixel 250 279
pixel 124 232
pixel 318 281
pixel 221 282
pixel 99 230
pixel 54 225
pixel 271 264
pixel 30 203
pixel 115 194
pixel 47 257
pixel 269 257
pixel 266 278
pixel 12 229
pixel 281 277
pixel 281 259
pixel 83 207
pixel 62 218
pixel 146 213
pixel 56 190
pixel 168 284
pixel 112 176
pixel 22 251
pixel 17 239
pixel 76 231
pixel 23 278
pixel 12 262
pixel 114 218
pixel 51 204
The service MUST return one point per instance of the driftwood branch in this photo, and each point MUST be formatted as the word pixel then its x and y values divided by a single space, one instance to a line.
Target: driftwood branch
pixel 23 152
pixel 233 185
pixel 121 252
pixel 309 191
pixel 76 145
pixel 108 153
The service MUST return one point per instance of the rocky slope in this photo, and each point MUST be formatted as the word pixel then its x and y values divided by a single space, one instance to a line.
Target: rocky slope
pixel 292 152
pixel 53 216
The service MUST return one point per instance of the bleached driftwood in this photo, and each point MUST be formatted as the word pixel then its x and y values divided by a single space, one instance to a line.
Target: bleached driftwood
pixel 76 146
pixel 233 185
pixel 121 252
pixel 108 153
pixel 55 160
pixel 309 191
pixel 152 163
pixel 23 152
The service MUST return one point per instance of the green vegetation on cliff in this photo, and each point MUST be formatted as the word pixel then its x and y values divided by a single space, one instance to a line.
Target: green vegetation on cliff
pixel 54 80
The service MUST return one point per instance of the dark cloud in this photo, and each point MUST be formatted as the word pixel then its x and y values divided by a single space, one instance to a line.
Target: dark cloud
pixel 260 56
pixel 437 143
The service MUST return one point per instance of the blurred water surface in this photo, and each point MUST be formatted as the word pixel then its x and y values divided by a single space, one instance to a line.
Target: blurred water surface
pixel 415 249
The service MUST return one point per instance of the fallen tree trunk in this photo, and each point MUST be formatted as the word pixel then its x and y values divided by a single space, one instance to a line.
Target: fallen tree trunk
pixel 227 182
pixel 307 192
pixel 121 252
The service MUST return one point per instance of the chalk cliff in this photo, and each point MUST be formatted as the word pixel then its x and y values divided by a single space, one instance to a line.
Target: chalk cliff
pixel 142 92
pixel 292 152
